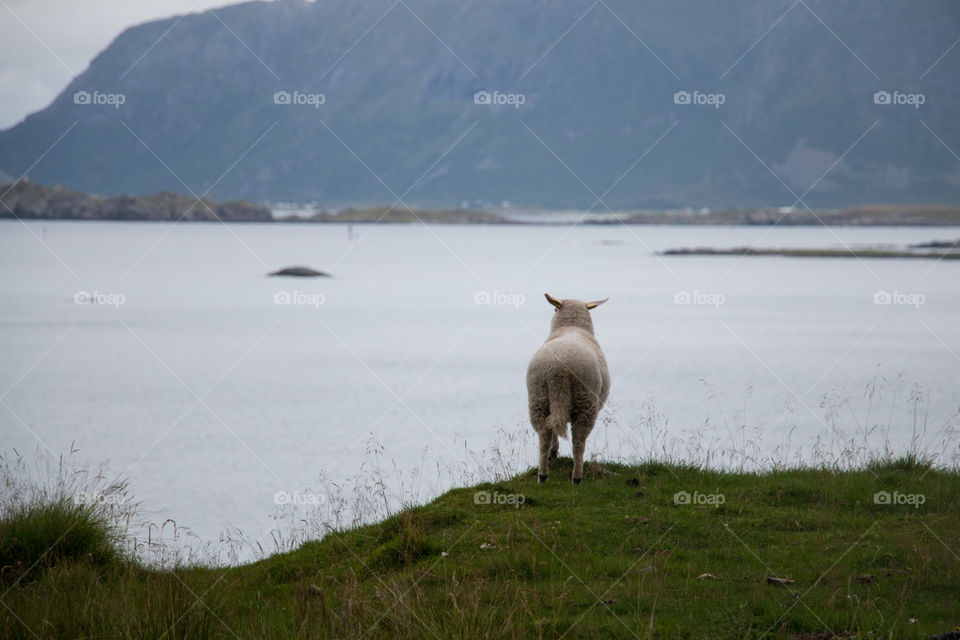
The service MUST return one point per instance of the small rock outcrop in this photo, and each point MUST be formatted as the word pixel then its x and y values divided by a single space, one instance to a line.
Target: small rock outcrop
pixel 300 272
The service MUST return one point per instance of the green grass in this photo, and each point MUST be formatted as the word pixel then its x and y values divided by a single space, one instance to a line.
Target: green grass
pixel 39 536
pixel 613 557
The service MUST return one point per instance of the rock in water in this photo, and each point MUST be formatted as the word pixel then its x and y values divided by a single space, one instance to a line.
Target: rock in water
pixel 300 272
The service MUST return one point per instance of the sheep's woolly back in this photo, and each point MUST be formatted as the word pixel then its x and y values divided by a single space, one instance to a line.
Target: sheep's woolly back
pixel 567 377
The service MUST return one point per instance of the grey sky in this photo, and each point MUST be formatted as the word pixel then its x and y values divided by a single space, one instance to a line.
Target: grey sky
pixel 45 43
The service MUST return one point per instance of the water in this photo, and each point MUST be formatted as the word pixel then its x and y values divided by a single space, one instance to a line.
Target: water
pixel 211 397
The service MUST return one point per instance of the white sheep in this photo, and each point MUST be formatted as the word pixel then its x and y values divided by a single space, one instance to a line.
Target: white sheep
pixel 567 381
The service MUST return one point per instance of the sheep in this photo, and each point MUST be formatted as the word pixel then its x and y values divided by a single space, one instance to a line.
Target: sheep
pixel 567 381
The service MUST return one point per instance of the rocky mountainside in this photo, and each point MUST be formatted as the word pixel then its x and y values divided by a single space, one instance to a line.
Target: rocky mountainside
pixel 27 200
pixel 585 103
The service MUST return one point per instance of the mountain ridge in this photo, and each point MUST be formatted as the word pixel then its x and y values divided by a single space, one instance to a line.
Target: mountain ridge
pixel 598 125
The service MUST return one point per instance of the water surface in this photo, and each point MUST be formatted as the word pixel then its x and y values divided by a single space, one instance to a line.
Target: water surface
pixel 198 382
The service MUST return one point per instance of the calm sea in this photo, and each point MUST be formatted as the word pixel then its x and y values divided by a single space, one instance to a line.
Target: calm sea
pixel 213 387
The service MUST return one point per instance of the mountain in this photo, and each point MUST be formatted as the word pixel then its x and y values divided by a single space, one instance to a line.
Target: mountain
pixel 636 103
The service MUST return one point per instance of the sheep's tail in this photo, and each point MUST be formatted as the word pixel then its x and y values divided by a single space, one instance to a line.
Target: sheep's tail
pixel 558 392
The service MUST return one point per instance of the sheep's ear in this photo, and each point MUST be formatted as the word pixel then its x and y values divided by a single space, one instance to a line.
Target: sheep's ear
pixel 553 301
pixel 596 303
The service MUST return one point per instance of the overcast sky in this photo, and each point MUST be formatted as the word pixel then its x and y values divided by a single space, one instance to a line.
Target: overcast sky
pixel 45 43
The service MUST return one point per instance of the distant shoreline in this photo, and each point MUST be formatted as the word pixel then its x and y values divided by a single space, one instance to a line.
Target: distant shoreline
pixel 861 215
pixel 26 200
pixel 914 251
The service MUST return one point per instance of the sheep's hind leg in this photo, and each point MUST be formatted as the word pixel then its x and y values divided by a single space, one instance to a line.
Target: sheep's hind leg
pixel 578 447
pixel 554 446
pixel 579 433
pixel 545 439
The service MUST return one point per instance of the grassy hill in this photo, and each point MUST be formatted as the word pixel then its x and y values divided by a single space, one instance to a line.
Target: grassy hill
pixel 649 551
